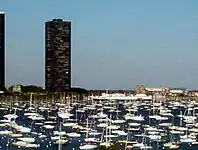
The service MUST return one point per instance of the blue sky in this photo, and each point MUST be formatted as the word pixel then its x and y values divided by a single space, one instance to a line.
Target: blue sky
pixel 116 44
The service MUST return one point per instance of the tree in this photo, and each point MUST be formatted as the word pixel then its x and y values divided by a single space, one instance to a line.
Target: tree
pixel 32 88
pixel 28 89
pixel 78 90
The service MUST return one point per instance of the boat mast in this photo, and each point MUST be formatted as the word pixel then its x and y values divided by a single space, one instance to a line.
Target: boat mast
pixel 87 127
pixel 59 145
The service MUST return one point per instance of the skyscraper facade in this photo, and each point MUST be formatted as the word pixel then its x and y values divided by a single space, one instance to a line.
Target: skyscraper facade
pixel 2 51
pixel 57 55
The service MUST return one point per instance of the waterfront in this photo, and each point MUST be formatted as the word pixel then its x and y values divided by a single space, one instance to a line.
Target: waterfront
pixel 130 122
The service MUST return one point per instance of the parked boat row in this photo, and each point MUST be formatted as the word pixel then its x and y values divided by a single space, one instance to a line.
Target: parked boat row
pixel 130 122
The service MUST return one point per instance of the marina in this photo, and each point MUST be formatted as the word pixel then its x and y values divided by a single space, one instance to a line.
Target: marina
pixel 98 75
pixel 135 121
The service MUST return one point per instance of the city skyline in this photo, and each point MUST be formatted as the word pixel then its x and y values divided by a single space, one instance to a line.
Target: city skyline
pixel 113 47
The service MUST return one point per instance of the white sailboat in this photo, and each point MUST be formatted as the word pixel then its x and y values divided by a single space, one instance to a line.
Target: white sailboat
pixel 88 144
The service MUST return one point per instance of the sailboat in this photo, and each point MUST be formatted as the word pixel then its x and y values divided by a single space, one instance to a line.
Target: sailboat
pixel 143 145
pixel 88 144
pixel 171 144
pixel 107 142
pixel 59 140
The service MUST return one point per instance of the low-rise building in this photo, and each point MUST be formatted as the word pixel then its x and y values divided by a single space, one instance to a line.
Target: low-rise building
pixel 16 88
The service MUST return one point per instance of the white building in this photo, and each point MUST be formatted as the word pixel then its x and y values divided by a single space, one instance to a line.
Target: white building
pixel 16 88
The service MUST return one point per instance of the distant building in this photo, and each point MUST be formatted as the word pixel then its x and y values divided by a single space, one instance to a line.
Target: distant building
pixel 57 55
pixel 177 91
pixel 193 93
pixel 140 89
pixel 2 51
pixel 16 89
pixel 157 90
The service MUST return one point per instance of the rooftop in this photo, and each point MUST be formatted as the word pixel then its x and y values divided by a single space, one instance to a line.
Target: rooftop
pixel 2 12
pixel 60 20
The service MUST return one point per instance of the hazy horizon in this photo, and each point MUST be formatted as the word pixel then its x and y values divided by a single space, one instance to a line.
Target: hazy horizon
pixel 115 44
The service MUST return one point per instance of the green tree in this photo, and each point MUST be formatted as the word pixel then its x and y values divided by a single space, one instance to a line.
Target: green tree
pixel 32 88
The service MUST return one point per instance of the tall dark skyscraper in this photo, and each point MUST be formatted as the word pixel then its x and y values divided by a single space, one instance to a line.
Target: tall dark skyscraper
pixel 2 51
pixel 57 55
